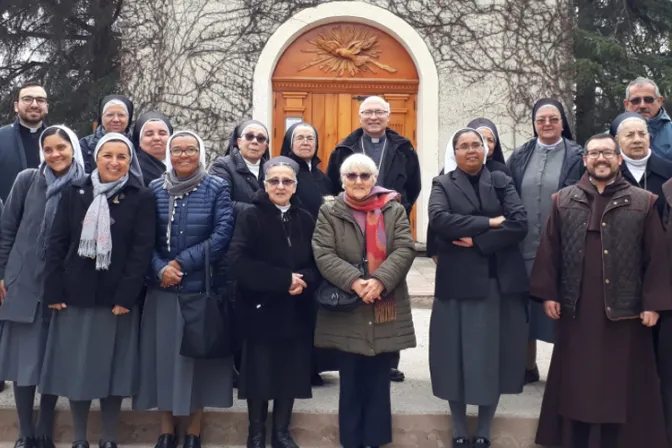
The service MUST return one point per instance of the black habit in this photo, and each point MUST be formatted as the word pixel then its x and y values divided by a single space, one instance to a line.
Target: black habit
pixel 658 171
pixel 602 388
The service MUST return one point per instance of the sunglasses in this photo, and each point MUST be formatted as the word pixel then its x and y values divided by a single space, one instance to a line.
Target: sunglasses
pixel 638 100
pixel 250 136
pixel 354 176
pixel 276 182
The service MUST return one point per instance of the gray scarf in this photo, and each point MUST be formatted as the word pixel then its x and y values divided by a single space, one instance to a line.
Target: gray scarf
pixel 96 239
pixel 177 188
pixel 55 186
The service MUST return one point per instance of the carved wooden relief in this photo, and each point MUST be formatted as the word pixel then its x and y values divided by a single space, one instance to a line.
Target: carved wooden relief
pixel 346 50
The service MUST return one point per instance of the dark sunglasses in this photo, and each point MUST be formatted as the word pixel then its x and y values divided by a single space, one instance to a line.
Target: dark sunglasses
pixel 638 100
pixel 260 138
pixel 353 176
pixel 276 182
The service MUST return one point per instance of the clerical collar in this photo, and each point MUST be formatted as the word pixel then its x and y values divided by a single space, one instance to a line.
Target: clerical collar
pixel 549 147
pixel 32 130
pixel 375 139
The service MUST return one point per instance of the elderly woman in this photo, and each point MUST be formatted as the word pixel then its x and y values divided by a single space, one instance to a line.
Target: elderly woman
pixel 478 327
pixel 541 167
pixel 101 245
pixel 641 167
pixel 272 243
pixel 192 208
pixel 26 229
pixel 365 220
pixel 115 114
pixel 150 138
pixel 243 164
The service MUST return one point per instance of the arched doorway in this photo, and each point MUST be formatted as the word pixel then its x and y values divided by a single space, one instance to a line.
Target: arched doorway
pixel 325 74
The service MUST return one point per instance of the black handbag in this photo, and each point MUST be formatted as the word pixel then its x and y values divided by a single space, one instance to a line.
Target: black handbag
pixel 207 321
pixel 333 298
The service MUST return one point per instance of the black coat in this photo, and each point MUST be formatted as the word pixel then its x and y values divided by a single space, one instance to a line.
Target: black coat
pixel 658 171
pixel 263 254
pixel 313 185
pixel 572 167
pixel 12 156
pixel 400 165
pixel 243 183
pixel 455 211
pixel 72 279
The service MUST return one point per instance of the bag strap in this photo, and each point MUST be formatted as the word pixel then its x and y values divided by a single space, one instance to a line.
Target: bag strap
pixel 208 274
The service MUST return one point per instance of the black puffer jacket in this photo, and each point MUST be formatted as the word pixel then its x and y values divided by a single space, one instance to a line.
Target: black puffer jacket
pixel 243 183
pixel 400 165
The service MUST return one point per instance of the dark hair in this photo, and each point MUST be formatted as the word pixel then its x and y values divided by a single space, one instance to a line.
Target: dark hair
pixel 56 131
pixel 603 136
pixel 461 132
pixel 25 86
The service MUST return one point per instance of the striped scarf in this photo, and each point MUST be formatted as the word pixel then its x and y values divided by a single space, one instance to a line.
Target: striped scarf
pixel 376 244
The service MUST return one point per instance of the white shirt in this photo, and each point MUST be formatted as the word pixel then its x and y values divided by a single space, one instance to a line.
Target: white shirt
pixel 253 167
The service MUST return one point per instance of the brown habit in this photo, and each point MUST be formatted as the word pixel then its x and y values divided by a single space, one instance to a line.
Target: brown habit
pixel 603 389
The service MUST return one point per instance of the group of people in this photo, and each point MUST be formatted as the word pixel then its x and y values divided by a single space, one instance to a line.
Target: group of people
pixel 100 237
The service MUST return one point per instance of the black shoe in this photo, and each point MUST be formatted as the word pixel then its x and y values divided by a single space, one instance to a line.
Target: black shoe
pixel 480 442
pixel 166 441
pixel 532 376
pixel 80 444
pixel 282 416
pixel 257 411
pixel 102 444
pixel 25 442
pixel 2 386
pixel 397 375
pixel 44 442
pixel 192 441
pixel 316 380
pixel 461 442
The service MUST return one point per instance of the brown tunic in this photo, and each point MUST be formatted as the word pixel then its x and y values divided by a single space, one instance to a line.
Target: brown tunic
pixel 603 389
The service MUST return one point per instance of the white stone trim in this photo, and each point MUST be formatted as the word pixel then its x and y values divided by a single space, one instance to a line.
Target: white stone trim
pixel 428 94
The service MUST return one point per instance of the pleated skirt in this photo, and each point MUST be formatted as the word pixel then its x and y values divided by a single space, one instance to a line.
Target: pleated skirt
pixel 168 380
pixel 91 354
pixel 22 348
pixel 477 347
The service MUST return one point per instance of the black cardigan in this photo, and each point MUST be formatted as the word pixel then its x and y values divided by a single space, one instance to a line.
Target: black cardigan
pixel 74 280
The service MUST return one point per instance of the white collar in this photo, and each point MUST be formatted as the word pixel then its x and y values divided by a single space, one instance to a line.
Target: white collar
pixel 638 163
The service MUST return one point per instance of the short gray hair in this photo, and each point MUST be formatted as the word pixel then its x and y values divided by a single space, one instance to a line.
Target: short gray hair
pixel 370 99
pixel 360 162
pixel 639 81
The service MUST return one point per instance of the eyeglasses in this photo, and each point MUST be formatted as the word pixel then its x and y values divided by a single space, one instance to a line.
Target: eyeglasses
pixel 352 177
pixel 607 154
pixel 636 100
pixel 178 152
pixel 306 138
pixel 543 120
pixel 28 100
pixel 475 146
pixel 377 113
pixel 275 182
pixel 260 138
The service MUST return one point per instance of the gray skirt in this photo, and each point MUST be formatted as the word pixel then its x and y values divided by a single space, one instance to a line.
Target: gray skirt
pixel 477 347
pixel 22 349
pixel 542 327
pixel 169 381
pixel 91 354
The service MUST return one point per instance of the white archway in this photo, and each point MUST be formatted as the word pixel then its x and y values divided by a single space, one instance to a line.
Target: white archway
pixel 355 11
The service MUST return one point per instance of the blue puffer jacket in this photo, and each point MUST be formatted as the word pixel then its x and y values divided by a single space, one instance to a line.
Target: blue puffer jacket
pixel 204 214
pixel 660 128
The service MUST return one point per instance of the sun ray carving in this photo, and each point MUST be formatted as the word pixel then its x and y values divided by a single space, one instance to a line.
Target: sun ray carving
pixel 346 50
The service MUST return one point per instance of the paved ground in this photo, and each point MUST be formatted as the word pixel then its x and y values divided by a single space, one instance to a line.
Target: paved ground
pixel 414 396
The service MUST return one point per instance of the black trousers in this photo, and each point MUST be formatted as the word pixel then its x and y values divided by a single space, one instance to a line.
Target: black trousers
pixel 364 408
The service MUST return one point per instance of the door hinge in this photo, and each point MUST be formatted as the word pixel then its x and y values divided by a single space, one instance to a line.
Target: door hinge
pixel 275 102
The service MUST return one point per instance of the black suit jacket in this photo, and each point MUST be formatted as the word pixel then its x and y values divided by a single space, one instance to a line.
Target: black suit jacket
pixel 455 212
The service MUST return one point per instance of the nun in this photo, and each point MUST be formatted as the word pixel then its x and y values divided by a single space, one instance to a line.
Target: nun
pixel 494 162
pixel 192 208
pixel 478 325
pixel 272 241
pixel 545 164
pixel 242 166
pixel 115 114
pixel 26 230
pixel 150 138
pixel 101 246
pixel 641 167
